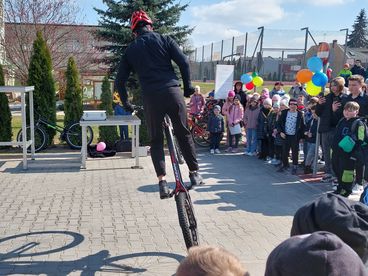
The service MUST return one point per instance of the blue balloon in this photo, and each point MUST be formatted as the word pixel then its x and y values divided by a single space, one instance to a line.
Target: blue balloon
pixel 315 64
pixel 245 78
pixel 319 79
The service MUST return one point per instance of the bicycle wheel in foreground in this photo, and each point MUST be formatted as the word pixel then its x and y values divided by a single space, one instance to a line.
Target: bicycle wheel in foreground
pixel 74 136
pixel 41 138
pixel 187 219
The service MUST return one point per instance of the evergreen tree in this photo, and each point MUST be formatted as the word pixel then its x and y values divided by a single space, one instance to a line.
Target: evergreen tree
pixel 115 23
pixel 73 105
pixel 108 134
pixel 5 114
pixel 40 76
pixel 359 36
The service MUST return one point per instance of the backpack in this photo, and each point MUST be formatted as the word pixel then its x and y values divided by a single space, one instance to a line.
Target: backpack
pixel 354 128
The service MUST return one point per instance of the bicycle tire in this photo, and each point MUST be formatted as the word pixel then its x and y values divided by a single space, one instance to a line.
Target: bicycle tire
pixel 187 219
pixel 198 138
pixel 40 135
pixel 73 136
pixel 179 154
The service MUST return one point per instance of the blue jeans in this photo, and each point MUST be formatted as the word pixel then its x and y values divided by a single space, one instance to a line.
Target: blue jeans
pixel 311 148
pixel 124 132
pixel 251 140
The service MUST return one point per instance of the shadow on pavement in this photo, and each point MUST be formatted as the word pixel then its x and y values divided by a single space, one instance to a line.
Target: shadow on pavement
pixel 240 182
pixel 25 249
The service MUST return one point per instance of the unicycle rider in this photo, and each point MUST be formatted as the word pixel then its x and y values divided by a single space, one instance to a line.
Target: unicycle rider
pixel 150 56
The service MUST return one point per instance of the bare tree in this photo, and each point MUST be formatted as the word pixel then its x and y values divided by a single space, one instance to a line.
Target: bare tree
pixel 56 19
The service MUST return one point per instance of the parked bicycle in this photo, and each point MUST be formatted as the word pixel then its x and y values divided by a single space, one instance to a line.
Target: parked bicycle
pixel 184 206
pixel 72 134
pixel 198 127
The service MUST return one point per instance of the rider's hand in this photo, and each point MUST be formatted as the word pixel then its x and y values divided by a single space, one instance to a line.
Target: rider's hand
pixel 128 107
pixel 188 91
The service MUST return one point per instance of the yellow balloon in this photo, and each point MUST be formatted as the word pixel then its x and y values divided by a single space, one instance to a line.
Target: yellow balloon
pixel 258 81
pixel 312 89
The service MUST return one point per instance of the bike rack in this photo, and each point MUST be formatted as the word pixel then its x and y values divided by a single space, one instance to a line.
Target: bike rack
pixel 24 143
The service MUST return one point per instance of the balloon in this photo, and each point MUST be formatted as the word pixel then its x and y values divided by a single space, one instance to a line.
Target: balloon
pixel 313 90
pixel 249 86
pixel 254 74
pixel 304 75
pixel 245 78
pixel 101 146
pixel 257 81
pixel 319 79
pixel 315 64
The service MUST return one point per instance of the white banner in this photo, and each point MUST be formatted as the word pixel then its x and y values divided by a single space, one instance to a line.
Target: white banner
pixel 224 80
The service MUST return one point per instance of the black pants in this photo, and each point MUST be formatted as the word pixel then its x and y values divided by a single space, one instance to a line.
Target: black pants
pixel 215 140
pixel 344 167
pixel 359 170
pixel 290 142
pixel 271 146
pixel 171 102
pixel 264 148
pixel 278 152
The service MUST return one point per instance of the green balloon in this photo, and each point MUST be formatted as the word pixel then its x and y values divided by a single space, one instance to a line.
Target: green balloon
pixel 254 74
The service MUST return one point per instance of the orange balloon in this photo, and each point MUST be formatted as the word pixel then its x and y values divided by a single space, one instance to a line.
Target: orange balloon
pixel 304 75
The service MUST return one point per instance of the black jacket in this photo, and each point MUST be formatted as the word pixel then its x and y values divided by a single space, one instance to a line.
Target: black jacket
pixel 362 100
pixel 216 124
pixel 299 123
pixel 150 55
pixel 324 112
pixel 311 127
pixel 359 70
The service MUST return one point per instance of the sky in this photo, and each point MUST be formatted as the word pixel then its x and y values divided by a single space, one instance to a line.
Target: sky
pixel 220 19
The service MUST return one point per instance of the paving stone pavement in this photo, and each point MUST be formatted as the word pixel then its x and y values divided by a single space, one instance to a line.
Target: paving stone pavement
pixel 108 219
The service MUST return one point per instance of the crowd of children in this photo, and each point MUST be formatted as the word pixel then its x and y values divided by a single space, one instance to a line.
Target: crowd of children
pixel 273 125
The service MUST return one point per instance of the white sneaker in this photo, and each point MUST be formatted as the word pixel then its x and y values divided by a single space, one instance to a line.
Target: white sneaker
pixel 212 151
pixel 217 151
pixel 357 189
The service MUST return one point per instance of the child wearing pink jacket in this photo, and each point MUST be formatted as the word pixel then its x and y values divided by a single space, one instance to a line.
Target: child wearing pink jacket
pixel 235 116
pixel 197 101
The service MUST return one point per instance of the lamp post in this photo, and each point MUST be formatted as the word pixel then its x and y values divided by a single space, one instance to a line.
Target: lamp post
pixel 345 46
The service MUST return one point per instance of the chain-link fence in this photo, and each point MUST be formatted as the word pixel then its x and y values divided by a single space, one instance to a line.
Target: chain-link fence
pixel 274 54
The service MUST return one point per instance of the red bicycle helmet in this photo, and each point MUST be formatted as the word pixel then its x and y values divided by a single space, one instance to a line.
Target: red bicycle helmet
pixel 139 16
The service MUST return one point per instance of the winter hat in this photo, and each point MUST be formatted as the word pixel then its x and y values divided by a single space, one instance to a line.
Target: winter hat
pixel 276 98
pixel 346 218
pixel 211 94
pixel 267 101
pixel 256 95
pixel 285 97
pixel 319 253
pixel 231 94
pixel 276 105
pixel 285 103
pixel 237 97
pixel 217 107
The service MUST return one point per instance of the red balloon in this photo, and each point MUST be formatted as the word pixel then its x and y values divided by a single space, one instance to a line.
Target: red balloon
pixel 249 85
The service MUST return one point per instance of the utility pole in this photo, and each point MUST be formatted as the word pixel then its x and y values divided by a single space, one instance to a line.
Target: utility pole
pixel 345 46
